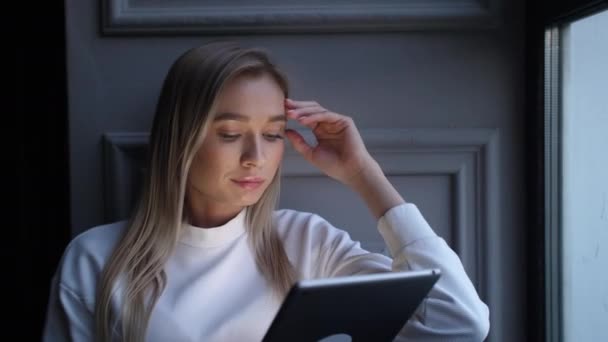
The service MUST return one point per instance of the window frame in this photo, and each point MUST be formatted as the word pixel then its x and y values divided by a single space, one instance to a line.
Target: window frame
pixel 545 21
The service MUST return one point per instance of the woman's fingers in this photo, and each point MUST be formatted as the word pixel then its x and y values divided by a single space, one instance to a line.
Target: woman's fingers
pixel 299 144
pixel 297 104
pixel 311 114
pixel 313 120
pixel 303 111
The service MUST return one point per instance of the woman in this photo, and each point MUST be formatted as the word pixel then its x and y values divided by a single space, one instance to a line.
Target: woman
pixel 205 256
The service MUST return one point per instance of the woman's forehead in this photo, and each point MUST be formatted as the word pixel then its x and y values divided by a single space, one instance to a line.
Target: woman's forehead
pixel 251 98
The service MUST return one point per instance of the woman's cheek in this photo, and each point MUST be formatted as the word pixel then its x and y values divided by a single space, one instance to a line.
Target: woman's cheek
pixel 278 151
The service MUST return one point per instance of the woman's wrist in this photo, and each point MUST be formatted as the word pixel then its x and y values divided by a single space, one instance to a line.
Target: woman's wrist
pixel 375 189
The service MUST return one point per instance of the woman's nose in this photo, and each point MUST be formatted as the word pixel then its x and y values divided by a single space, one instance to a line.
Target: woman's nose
pixel 253 153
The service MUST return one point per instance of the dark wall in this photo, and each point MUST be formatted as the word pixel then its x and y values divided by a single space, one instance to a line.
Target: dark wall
pixel 39 222
pixel 37 225
pixel 457 78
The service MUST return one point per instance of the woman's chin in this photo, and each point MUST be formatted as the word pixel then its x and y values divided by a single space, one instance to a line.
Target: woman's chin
pixel 249 199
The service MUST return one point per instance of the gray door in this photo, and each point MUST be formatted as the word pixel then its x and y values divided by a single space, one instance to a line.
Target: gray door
pixel 434 86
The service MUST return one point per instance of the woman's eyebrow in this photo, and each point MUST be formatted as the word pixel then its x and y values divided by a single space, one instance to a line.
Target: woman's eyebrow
pixel 275 118
pixel 245 118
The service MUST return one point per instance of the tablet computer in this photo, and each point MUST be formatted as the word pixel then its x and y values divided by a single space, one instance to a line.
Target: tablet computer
pixel 370 307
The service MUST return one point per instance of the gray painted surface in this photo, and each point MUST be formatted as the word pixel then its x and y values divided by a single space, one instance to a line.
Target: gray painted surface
pixel 460 80
pixel 585 186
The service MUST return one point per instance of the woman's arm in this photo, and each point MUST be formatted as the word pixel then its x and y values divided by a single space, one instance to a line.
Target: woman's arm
pixel 67 318
pixel 453 310
pixel 376 190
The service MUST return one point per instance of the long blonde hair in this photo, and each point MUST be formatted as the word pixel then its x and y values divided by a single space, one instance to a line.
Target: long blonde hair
pixel 184 109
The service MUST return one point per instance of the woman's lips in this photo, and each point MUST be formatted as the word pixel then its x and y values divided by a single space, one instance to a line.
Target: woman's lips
pixel 249 183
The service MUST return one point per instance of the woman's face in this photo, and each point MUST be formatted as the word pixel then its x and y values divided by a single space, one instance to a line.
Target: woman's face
pixel 243 147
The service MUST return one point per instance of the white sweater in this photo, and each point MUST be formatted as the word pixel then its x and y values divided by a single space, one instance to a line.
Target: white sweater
pixel 215 292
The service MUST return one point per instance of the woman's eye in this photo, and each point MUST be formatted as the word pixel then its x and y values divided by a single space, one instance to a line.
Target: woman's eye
pixel 234 137
pixel 229 137
pixel 273 137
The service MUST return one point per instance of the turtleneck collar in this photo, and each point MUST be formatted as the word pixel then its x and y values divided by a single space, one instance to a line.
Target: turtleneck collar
pixel 214 236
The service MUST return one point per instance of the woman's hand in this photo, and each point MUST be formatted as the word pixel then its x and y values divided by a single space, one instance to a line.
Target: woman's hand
pixel 340 152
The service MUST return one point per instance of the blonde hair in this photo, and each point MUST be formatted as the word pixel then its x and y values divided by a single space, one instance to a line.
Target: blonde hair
pixel 184 110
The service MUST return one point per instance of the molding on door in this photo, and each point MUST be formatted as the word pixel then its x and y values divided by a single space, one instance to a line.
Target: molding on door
pixel 129 17
pixel 468 156
pixel 123 164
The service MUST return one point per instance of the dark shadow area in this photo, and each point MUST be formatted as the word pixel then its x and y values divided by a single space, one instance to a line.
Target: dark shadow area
pixel 37 144
pixel 535 288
